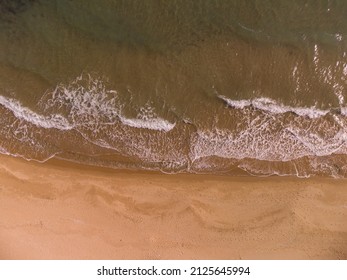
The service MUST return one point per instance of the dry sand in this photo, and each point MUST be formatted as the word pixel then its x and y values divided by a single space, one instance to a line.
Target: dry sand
pixel 59 210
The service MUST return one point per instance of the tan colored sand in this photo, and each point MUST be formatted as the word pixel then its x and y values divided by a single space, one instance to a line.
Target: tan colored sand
pixel 66 211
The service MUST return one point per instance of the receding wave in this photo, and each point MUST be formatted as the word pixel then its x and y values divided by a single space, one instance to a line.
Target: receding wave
pixel 84 121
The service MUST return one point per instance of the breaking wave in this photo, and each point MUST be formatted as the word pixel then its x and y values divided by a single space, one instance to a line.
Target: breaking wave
pixel 269 105
pixel 85 118
pixel 93 103
pixel 24 113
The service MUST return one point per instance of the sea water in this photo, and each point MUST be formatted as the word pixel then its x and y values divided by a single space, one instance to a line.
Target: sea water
pixel 203 86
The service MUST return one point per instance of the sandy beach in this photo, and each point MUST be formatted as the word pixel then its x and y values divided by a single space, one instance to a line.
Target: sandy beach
pixel 59 210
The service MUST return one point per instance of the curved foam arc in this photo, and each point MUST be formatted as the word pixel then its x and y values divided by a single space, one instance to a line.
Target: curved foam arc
pixel 4 151
pixel 269 105
pixel 258 173
pixel 23 113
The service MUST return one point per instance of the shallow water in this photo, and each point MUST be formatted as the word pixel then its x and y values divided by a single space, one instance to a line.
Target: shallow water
pixel 177 86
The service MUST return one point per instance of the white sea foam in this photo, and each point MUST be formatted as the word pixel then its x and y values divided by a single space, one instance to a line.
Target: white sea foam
pixel 4 151
pixel 272 138
pixel 152 123
pixel 83 104
pixel 238 104
pixel 338 37
pixel 271 106
pixel 98 114
pixel 23 113
pixel 283 146
pixel 94 104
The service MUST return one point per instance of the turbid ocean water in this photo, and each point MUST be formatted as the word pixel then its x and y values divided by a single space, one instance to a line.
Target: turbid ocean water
pixel 203 86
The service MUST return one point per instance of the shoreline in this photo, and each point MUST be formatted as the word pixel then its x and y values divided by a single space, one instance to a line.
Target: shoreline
pixel 63 210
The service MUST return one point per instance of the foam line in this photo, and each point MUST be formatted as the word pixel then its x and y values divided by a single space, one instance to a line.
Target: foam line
pixel 152 123
pixel 23 113
pixel 94 103
pixel 271 106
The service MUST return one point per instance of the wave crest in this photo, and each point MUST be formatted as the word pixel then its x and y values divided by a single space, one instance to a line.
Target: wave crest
pixel 271 106
pixel 23 113
pixel 88 102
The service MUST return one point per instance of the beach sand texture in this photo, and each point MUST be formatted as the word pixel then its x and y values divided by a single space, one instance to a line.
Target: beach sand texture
pixel 60 210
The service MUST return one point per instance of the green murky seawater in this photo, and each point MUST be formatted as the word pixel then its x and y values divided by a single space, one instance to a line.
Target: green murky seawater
pixel 178 86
